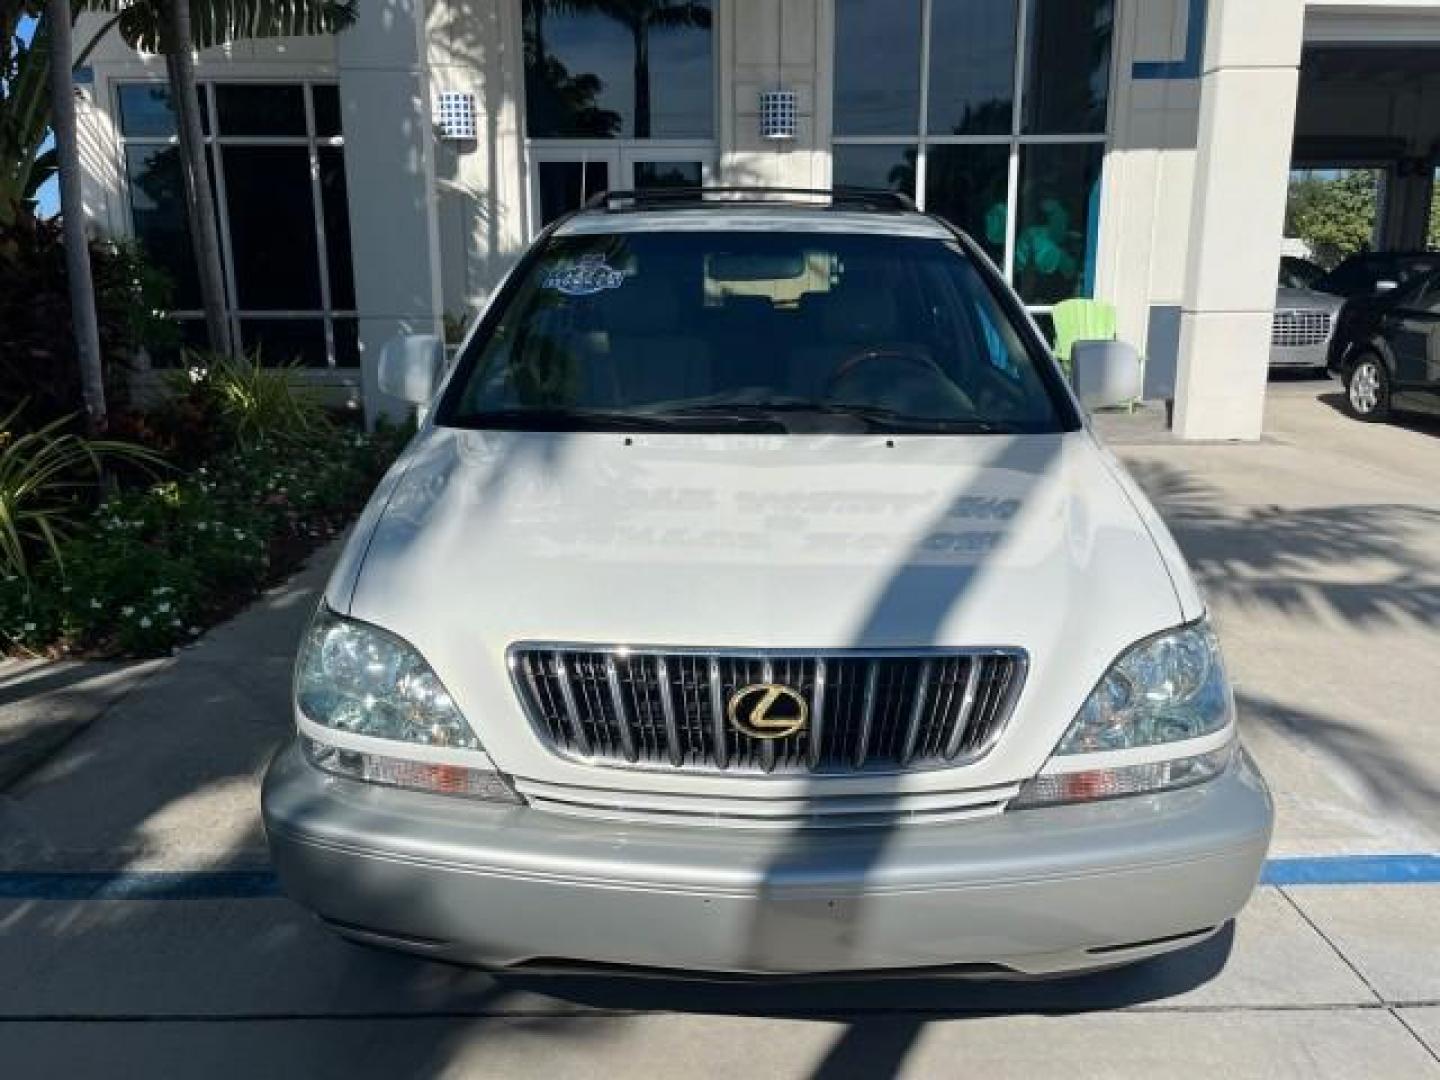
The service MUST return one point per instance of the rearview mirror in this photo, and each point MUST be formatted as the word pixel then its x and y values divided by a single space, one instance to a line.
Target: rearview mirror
pixel 410 367
pixel 1106 373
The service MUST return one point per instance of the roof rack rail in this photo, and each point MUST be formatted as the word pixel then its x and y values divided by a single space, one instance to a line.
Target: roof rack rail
pixel 675 198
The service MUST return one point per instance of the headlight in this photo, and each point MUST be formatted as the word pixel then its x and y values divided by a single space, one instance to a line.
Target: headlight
pixel 361 683
pixel 1167 689
pixel 354 677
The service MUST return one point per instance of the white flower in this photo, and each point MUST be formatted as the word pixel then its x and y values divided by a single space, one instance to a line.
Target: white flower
pixel 174 622
pixel 162 608
pixel 96 604
pixel 145 622
pixel 29 627
pixel 127 611
pixel 201 526
pixel 194 629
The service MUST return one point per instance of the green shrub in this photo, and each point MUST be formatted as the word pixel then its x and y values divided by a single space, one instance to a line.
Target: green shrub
pixel 46 476
pixel 38 360
pixel 152 566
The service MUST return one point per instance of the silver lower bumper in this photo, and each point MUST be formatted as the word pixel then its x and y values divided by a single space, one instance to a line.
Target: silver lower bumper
pixel 1035 892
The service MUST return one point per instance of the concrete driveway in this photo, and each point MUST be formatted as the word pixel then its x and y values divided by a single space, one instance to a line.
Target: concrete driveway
pixel 140 933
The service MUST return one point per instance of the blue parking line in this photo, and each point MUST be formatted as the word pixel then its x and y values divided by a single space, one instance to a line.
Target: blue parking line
pixel 140 885
pixel 1353 870
pixel 261 884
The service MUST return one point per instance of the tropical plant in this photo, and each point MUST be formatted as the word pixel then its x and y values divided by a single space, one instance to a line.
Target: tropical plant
pixel 249 403
pixel 24 107
pixel 174 28
pixel 36 346
pixel 45 475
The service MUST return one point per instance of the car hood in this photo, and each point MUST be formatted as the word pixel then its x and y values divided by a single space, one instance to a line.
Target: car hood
pixel 1307 299
pixel 741 541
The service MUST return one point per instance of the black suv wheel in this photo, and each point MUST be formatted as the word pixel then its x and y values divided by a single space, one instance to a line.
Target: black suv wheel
pixel 1367 388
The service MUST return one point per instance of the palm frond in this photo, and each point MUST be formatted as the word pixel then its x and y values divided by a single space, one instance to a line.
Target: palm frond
pixel 44 477
pixel 216 22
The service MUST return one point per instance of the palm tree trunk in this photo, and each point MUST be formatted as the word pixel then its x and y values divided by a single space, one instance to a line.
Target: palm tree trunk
pixel 72 216
pixel 199 196
pixel 642 80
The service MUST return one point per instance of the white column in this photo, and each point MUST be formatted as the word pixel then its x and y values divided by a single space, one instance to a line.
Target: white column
pixel 390 177
pixel 774 45
pixel 1247 123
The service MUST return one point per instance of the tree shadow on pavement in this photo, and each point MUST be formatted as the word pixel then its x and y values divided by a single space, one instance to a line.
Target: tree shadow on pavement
pixel 1368 564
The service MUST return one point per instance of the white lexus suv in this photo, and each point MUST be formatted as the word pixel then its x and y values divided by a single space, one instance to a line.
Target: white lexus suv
pixel 756 598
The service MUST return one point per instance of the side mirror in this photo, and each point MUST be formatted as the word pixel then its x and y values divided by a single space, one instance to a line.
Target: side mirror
pixel 1106 373
pixel 1386 286
pixel 410 367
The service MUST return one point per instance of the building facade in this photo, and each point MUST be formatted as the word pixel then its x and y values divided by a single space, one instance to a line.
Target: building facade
pixel 384 180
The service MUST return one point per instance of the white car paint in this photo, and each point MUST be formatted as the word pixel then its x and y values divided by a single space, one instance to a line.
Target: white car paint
pixel 479 540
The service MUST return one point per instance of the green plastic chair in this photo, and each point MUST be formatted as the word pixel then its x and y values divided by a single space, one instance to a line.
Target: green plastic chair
pixel 1081 320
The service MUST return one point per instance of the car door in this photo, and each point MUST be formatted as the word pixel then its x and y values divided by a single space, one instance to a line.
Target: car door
pixel 1412 329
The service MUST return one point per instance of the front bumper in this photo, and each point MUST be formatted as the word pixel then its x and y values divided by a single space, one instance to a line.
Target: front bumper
pixel 1300 356
pixel 1035 892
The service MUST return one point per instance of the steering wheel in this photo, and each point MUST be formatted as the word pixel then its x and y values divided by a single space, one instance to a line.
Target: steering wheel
pixel 874 354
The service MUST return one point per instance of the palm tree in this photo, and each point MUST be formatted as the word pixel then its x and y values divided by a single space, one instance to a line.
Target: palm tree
pixel 175 29
pixel 640 17
pixel 72 215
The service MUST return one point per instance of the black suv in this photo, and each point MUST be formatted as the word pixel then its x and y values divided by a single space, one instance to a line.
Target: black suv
pixel 1386 349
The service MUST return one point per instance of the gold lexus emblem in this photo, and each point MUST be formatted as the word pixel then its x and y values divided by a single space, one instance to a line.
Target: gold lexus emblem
pixel 768 711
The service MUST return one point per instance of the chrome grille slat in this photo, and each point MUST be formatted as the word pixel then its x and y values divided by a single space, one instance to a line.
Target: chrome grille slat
pixel 1300 327
pixel 617 696
pixel 817 715
pixel 917 712
pixel 572 710
pixel 668 709
pixel 962 716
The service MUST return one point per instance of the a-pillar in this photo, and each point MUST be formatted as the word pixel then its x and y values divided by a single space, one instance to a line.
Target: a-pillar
pixel 1247 123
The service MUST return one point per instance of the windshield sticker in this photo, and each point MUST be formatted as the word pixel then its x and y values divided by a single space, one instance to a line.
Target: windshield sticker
pixel 584 278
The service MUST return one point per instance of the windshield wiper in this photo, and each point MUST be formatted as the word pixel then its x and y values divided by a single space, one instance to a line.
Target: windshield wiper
pixel 584 419
pixel 876 419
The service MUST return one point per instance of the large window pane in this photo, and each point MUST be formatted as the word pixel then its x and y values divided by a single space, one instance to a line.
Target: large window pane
pixel 969 187
pixel 260 109
pixel 877 67
pixel 634 70
pixel 146 110
pixel 157 212
pixel 1067 65
pixel 972 67
pixel 272 227
pixel 281 342
pixel 870 166
pixel 336 210
pixel 1058 218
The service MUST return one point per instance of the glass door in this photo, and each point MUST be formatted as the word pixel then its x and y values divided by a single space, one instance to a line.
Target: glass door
pixel 564 176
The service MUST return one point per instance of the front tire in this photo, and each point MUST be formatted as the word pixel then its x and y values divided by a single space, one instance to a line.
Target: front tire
pixel 1367 389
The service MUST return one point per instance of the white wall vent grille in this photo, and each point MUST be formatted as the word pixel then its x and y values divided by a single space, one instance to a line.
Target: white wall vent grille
pixel 455 116
pixel 779 114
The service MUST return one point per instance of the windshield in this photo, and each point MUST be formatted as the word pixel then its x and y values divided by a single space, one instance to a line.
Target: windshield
pixel 1360 275
pixel 1298 273
pixel 744 331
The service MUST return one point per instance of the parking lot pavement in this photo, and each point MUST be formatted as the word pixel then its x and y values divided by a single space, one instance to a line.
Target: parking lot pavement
pixel 1320 553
